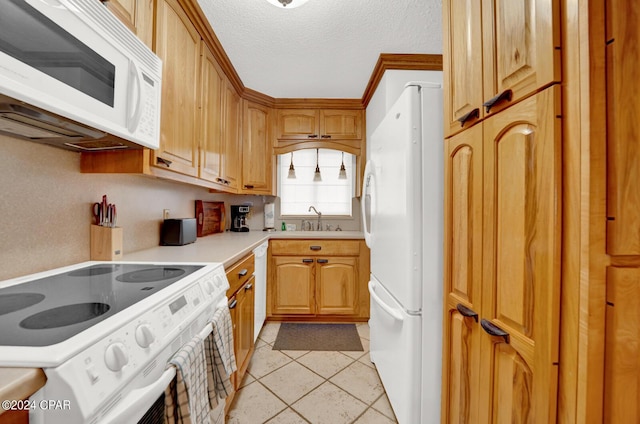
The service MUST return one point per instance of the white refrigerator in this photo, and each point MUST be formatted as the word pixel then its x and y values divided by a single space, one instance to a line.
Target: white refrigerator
pixel 402 210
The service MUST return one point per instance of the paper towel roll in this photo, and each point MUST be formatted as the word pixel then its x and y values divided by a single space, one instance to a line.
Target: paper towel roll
pixel 269 216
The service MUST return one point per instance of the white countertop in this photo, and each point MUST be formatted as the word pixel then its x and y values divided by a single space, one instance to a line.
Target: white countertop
pixel 228 247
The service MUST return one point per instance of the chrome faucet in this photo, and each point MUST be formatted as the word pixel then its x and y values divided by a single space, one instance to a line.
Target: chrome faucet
pixel 319 226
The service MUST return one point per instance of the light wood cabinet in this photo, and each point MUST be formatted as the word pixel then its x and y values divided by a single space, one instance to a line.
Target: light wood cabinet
pixel 293 288
pixel 220 142
pixel 211 143
pixel 505 49
pixel 232 136
pixel 241 296
pixel 178 44
pixel 135 14
pixel 623 161
pixel 316 279
pixel 319 124
pixel 337 285
pixel 502 267
pixel 243 336
pixel 462 276
pixel 257 152
pixel 622 316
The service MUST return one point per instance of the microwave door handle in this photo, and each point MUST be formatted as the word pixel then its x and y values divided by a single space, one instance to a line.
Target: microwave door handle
pixel 135 102
pixel 137 399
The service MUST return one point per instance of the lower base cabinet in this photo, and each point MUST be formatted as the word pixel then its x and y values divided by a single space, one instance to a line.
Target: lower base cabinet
pixel 318 279
pixel 241 307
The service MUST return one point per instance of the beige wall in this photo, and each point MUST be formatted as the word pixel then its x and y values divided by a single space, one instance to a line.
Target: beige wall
pixel 45 207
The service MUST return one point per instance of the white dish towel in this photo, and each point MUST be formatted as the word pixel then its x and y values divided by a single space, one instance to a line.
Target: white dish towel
pixel 189 401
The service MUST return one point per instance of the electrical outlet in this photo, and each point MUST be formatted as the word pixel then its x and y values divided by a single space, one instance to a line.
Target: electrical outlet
pixel 165 213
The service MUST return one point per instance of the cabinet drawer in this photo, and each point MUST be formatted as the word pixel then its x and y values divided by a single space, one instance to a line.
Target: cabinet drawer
pixel 240 273
pixel 315 247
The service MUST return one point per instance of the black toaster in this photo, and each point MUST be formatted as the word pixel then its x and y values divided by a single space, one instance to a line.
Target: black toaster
pixel 178 232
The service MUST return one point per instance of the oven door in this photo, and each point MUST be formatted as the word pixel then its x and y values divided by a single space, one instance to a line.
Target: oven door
pixel 146 404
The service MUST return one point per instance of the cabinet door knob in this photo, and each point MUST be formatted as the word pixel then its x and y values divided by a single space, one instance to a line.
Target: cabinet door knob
pixel 307 261
pixel 233 304
pixel 312 136
pixel 467 312
pixel 315 247
pixel 505 96
pixel 242 272
pixel 326 136
pixel 323 261
pixel 248 287
pixel 248 186
pixel 494 330
pixel 474 114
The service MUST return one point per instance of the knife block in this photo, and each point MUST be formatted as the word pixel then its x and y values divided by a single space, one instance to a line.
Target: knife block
pixel 106 243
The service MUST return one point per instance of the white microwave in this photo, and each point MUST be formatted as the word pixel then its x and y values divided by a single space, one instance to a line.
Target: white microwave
pixel 73 75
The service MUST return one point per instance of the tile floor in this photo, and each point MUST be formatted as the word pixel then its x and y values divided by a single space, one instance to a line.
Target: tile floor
pixel 310 387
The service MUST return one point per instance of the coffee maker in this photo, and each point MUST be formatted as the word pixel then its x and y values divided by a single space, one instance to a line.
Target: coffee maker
pixel 239 218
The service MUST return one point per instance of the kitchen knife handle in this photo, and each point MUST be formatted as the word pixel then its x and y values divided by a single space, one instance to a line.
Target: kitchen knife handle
pixel 307 261
pixel 242 272
pixel 505 96
pixel 474 114
pixel 494 330
pixel 467 312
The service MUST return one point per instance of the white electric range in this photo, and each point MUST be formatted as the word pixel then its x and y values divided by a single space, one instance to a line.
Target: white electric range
pixel 103 332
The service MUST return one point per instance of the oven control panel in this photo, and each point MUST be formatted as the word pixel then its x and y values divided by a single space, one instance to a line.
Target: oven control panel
pixel 140 349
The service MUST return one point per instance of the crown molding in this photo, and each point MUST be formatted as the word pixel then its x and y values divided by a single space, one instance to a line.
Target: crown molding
pixel 423 62
pixel 416 62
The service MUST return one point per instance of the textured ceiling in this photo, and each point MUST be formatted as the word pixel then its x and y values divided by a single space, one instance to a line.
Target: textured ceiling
pixel 324 48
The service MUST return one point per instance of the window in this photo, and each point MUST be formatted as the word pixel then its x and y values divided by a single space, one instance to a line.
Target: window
pixel 331 196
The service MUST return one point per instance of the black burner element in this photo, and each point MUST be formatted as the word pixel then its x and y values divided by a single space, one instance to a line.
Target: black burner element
pixel 92 271
pixel 64 315
pixel 150 275
pixel 16 301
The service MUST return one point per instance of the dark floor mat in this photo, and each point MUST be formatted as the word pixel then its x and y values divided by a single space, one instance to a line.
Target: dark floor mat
pixel 299 336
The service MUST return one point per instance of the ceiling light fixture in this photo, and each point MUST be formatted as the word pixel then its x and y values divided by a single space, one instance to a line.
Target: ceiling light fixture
pixel 292 170
pixel 342 175
pixel 316 176
pixel 287 4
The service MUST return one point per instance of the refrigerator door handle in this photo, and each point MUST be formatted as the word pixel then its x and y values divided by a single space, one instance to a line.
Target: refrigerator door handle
pixel 394 314
pixel 367 192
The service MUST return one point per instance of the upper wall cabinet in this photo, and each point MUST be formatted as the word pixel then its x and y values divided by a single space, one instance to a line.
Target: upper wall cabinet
pixel 319 125
pixel 178 44
pixel 137 15
pixel 481 81
pixel 257 152
pixel 221 128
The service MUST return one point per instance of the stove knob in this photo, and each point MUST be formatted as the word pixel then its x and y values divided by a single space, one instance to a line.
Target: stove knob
pixel 144 336
pixel 210 287
pixel 116 357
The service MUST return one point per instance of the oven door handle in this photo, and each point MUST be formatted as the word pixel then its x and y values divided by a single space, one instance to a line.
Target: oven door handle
pixel 129 407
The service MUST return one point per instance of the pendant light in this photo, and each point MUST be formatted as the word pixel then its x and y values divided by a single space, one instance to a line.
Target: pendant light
pixel 292 170
pixel 287 4
pixel 316 176
pixel 342 175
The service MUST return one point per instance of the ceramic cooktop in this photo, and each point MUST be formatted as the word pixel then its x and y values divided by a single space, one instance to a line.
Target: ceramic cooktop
pixel 51 309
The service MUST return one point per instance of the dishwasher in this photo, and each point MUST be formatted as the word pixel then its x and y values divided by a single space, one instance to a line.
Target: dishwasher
pixel 260 283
